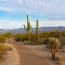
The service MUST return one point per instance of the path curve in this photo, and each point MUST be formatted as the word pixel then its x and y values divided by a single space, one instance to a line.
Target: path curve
pixel 27 57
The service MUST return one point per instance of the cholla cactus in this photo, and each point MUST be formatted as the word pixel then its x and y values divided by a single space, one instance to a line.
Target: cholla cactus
pixel 28 28
pixel 37 30
pixel 54 45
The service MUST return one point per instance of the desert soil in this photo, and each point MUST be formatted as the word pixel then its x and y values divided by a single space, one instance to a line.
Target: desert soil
pixel 28 57
pixel 35 54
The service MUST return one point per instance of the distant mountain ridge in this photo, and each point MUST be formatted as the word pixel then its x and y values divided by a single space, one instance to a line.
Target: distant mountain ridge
pixel 42 29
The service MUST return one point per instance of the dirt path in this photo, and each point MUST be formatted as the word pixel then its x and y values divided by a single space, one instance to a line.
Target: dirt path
pixel 27 57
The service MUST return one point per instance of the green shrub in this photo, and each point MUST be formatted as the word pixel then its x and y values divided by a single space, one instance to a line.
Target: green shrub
pixel 8 34
pixel 21 37
pixel 44 40
pixel 3 50
pixel 2 39
pixel 44 34
pixel 27 42
pixel 25 37
pixel 33 37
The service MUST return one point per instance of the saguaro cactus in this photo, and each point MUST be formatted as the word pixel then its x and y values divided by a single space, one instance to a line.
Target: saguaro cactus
pixel 37 30
pixel 28 28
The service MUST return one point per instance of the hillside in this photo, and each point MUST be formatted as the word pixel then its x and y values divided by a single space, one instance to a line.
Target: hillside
pixel 42 29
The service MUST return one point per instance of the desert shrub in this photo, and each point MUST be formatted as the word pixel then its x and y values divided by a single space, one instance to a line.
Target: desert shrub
pixel 55 34
pixel 8 34
pixel 2 39
pixel 19 37
pixel 63 33
pixel 33 37
pixel 45 41
pixel 3 50
pixel 42 41
pixel 25 37
pixel 27 42
pixel 44 34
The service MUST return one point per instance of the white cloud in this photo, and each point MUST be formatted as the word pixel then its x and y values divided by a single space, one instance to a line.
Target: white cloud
pixel 8 24
pixel 27 4
pixel 50 23
pixel 6 9
pixel 50 7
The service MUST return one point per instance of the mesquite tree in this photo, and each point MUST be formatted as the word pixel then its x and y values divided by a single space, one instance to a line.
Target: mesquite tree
pixel 37 30
pixel 28 28
pixel 53 45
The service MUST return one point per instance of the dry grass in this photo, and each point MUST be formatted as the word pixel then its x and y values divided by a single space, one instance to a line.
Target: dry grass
pixel 3 51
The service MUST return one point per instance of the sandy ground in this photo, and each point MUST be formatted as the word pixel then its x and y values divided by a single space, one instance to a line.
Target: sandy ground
pixel 36 55
pixel 12 57
pixel 28 57
pixel 42 51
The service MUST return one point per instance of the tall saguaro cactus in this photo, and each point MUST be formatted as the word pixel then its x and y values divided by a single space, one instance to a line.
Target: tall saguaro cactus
pixel 37 30
pixel 28 28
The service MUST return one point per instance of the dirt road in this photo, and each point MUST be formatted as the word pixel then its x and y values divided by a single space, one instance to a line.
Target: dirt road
pixel 27 57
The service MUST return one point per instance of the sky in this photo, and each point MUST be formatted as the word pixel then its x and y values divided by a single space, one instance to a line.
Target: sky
pixel 48 12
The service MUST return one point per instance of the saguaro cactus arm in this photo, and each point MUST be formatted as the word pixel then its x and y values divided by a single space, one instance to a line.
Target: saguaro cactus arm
pixel 24 27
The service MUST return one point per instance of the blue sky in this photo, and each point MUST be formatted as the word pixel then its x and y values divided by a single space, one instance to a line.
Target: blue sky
pixel 49 12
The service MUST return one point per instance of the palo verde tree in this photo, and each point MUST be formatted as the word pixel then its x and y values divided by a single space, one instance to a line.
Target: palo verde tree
pixel 53 45
pixel 37 30
pixel 28 28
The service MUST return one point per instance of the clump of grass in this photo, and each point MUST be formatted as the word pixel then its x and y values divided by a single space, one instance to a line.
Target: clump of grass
pixel 3 51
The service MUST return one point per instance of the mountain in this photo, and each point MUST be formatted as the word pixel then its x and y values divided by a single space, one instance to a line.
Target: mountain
pixel 42 29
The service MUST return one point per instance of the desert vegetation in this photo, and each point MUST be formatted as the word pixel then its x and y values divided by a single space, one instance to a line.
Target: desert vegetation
pixel 53 40
pixel 37 30
pixel 28 28
pixel 53 45
pixel 2 39
pixel 3 51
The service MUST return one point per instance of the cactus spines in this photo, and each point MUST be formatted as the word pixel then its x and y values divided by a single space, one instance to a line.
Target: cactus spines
pixel 53 45
pixel 28 28
pixel 37 30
